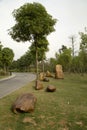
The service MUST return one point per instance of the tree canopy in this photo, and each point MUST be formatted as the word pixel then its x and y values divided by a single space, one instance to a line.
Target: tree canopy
pixel 7 57
pixel 42 47
pixel 32 21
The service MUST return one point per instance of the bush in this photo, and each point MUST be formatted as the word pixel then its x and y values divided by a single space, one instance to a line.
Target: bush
pixel 3 73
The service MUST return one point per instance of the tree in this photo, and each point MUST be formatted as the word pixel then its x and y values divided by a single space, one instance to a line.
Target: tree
pixel 7 57
pixel 83 43
pixel 52 64
pixel 25 61
pixel 0 54
pixel 64 58
pixel 42 47
pixel 83 51
pixel 14 66
pixel 72 38
pixel 32 24
pixel 62 49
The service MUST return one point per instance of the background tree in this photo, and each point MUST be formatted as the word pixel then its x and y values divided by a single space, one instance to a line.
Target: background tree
pixel 25 61
pixel 52 64
pixel 73 38
pixel 14 66
pixel 32 23
pixel 64 58
pixel 83 51
pixel 0 54
pixel 7 58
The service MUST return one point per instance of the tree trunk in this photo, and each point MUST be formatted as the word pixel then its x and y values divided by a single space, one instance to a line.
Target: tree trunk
pixel 43 65
pixel 36 62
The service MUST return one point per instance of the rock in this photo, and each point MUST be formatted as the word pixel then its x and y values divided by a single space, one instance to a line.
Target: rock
pixel 41 76
pixel 29 120
pixel 48 74
pixel 46 80
pixel 24 103
pixel 51 88
pixel 38 85
pixel 59 72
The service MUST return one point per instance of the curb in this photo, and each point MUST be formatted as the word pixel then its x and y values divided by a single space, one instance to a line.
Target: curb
pixel 9 77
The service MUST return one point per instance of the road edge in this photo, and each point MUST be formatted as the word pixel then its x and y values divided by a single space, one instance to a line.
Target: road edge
pixel 7 78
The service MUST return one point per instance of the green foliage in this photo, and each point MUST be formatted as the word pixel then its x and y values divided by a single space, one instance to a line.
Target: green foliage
pixel 83 43
pixel 83 51
pixel 7 57
pixel 32 20
pixel 52 64
pixel 64 58
pixel 69 61
pixel 0 54
pixel 25 61
pixel 14 66
pixel 83 60
pixel 42 47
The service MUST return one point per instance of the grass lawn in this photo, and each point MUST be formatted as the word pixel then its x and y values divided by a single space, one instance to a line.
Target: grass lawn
pixel 1 77
pixel 65 109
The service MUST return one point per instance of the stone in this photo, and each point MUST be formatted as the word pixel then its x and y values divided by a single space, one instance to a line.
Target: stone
pixel 38 85
pixel 29 120
pixel 24 103
pixel 46 79
pixel 51 88
pixel 48 74
pixel 59 72
pixel 41 76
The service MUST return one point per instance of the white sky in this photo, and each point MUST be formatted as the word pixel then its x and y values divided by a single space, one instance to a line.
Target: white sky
pixel 71 15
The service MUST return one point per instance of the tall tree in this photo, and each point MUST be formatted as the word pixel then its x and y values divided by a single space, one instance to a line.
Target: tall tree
pixel 32 23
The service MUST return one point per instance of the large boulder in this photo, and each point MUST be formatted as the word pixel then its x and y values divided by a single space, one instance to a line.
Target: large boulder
pixel 59 72
pixel 24 103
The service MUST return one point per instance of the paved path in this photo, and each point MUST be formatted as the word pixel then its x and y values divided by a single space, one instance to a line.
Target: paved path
pixel 9 85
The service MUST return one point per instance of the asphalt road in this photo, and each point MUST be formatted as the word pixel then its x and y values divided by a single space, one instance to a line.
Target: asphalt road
pixel 11 84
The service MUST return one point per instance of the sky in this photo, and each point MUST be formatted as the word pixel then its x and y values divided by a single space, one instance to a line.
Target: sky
pixel 71 18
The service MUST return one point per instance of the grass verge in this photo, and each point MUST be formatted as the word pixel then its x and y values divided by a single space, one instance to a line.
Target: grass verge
pixel 65 109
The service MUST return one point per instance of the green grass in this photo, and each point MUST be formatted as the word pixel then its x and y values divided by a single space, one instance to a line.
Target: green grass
pixel 65 109
pixel 1 77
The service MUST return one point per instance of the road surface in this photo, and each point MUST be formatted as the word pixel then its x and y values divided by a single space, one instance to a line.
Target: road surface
pixel 14 83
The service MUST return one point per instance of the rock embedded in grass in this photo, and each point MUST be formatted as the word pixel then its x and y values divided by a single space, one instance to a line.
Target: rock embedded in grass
pixel 59 72
pixel 38 85
pixel 46 79
pixel 24 103
pixel 51 88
